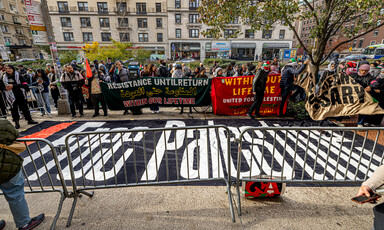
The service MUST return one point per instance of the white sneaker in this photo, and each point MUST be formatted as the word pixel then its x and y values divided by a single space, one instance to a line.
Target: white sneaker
pixel 153 111
pixel 360 126
pixel 157 111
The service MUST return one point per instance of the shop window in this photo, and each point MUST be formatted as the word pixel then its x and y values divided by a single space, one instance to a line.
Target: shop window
pixel 106 37
pixel 249 34
pixel 104 22
pixel 178 33
pixel 85 22
pixel 208 46
pixel 68 36
pixel 159 37
pixel 282 34
pixel 143 37
pixel 83 6
pixel 124 37
pixel 63 7
pixel 66 22
pixel 193 33
pixel 159 22
pixel 102 7
pixel 158 7
pixel 177 3
pixel 142 23
pixel 267 34
pixel 193 18
pixel 87 37
pixel 177 18
pixel 141 8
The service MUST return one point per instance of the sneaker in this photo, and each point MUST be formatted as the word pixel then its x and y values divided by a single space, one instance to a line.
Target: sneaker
pixel 32 122
pixel 250 116
pixel 2 224
pixel 126 112
pixel 95 115
pixel 105 114
pixel 73 116
pixel 34 222
pixel 157 111
pixel 81 115
pixel 153 111
pixel 360 126
pixel 17 125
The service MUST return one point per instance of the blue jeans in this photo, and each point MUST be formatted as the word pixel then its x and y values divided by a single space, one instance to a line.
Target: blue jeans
pixel 44 100
pixel 361 119
pixel 14 193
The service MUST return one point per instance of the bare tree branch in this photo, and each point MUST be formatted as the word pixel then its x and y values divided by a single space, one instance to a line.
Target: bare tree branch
pixel 313 10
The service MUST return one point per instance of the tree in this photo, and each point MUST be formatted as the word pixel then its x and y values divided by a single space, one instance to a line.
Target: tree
pixel 331 18
pixel 335 41
pixel 116 51
pixel 141 55
pixel 67 56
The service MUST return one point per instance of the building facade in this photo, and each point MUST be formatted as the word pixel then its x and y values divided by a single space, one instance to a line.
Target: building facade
pixel 169 29
pixel 16 38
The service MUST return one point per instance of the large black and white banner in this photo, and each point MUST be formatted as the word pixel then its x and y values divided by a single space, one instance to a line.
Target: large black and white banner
pixel 147 156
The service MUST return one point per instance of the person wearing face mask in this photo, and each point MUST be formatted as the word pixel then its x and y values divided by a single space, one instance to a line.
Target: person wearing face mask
pixel 328 71
pixel 364 78
pixel 258 88
pixel 376 89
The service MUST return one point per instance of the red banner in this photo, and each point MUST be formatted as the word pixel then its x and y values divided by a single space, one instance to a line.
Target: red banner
pixel 233 95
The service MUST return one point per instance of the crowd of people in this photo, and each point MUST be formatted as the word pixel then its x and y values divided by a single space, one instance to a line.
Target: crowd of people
pixel 16 82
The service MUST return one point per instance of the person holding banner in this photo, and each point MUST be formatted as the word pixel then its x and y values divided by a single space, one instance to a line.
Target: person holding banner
pixel 93 84
pixel 258 88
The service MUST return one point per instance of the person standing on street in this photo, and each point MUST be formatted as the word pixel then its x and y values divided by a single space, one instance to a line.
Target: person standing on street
pixel 258 89
pixel 42 82
pixel 55 92
pixel 93 84
pixel 163 69
pixel 72 81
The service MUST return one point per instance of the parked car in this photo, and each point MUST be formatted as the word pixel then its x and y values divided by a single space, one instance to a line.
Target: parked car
pixel 187 60
pixel 354 57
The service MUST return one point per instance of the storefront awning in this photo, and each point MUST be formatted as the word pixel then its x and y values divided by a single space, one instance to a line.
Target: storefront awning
pixel 243 45
pixel 276 45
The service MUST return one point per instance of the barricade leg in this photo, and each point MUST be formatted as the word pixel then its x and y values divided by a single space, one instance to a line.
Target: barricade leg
pixel 230 201
pixel 62 198
pixel 72 211
pixel 238 199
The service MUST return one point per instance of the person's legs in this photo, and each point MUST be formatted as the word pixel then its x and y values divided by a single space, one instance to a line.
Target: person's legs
pixel 15 112
pixel 40 102
pixel 361 120
pixel 103 104
pixel 95 102
pixel 80 101
pixel 14 193
pixel 71 101
pixel 258 101
pixel 24 108
pixel 253 106
pixel 284 95
pixel 3 107
pixel 46 101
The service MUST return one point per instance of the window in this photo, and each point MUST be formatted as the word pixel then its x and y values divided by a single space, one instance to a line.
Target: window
pixel 63 7
pixel 159 23
pixel 354 43
pixel 123 22
pixel 373 43
pixel 177 18
pixel 141 8
pixel 193 18
pixel 85 22
pixel 83 6
pixel 193 4
pixel 7 40
pixel 177 3
pixel 159 37
pixel 178 33
pixel 142 23
pixel 382 41
pixel 102 7
pixel 143 37
pixel 21 41
pixel 193 33
pixel 121 7
pixel 2 17
pixel 234 21
pixel 124 37
pixel 66 22
pixel 267 34
pixel 158 7
pixel 19 31
pixel 104 22
pixel 106 37
pixel 361 43
pixel 282 34
pixel 13 8
pixel 68 36
pixel 5 29
pixel 249 34
pixel 87 37
pixel 375 33
pixel 229 33
pixel 15 20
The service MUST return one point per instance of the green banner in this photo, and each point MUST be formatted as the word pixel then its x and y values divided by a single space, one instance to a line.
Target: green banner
pixel 172 92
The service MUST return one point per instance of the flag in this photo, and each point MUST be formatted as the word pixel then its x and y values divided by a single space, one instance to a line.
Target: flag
pixel 88 68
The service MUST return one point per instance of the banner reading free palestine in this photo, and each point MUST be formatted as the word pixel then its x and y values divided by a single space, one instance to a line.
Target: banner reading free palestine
pixel 233 95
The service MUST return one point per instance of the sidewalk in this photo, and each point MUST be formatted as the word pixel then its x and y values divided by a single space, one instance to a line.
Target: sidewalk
pixel 203 207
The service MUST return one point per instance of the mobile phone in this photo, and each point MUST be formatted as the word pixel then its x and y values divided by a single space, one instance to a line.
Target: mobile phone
pixel 363 199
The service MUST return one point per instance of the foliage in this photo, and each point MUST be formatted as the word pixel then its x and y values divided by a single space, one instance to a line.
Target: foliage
pixel 116 51
pixel 39 64
pixel 330 18
pixel 67 56
pixel 46 48
pixel 141 55
pixel 193 65
pixel 297 110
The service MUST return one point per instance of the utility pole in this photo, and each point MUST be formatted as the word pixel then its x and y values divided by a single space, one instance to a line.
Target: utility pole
pixel 62 104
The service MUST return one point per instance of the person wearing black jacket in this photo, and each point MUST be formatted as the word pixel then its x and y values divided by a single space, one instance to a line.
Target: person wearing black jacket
pixel 14 89
pixel 93 84
pixel 258 88
pixel 163 69
pixel 72 81
pixel 287 79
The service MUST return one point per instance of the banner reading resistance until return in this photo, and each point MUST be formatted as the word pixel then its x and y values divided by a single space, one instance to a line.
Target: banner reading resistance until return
pixel 175 92
pixel 233 95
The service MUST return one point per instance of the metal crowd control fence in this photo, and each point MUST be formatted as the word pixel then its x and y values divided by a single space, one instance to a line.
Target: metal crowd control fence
pixel 307 155
pixel 35 95
pixel 42 172
pixel 148 157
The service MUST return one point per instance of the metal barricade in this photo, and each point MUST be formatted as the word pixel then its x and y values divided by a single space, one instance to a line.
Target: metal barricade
pixel 307 155
pixel 34 94
pixel 42 171
pixel 148 157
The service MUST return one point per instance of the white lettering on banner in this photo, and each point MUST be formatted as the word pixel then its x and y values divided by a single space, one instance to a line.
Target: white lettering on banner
pixel 159 82
pixel 203 153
